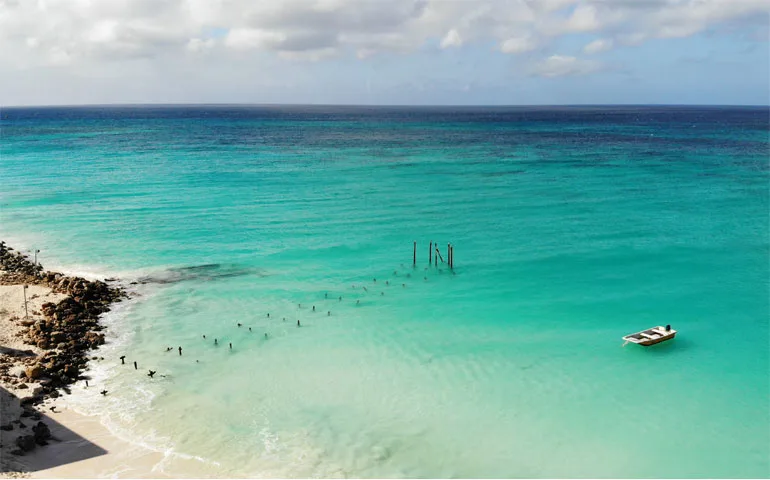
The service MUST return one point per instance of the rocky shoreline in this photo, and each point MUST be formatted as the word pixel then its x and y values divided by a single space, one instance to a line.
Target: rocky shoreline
pixel 61 337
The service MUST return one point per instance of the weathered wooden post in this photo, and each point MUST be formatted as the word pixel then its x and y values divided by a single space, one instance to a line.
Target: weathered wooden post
pixel 435 256
pixel 450 255
pixel 414 254
pixel 26 313
pixel 430 253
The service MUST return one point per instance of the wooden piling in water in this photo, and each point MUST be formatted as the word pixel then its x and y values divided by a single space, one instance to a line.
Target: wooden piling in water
pixel 430 253
pixel 414 254
pixel 450 255
pixel 438 254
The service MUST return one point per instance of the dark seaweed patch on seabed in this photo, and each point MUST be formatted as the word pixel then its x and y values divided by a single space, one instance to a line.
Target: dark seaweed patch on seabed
pixel 400 164
pixel 206 272
pixel 502 173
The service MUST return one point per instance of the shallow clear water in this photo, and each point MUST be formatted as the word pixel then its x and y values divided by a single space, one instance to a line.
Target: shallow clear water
pixel 572 227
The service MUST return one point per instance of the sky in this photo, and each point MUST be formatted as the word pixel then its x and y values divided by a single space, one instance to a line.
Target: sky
pixel 389 52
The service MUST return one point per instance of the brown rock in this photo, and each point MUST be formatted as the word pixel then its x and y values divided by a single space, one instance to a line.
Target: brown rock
pixel 94 339
pixel 34 372
pixel 58 336
pixel 71 371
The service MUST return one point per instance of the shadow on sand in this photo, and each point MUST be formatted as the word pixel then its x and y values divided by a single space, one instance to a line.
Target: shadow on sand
pixel 63 448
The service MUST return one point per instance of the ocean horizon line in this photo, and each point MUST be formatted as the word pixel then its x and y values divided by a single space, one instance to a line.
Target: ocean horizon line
pixel 386 106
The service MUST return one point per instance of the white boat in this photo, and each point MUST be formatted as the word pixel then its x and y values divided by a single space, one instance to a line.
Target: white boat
pixel 651 336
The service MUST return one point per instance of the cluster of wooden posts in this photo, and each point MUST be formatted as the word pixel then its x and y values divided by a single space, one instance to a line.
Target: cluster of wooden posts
pixel 434 254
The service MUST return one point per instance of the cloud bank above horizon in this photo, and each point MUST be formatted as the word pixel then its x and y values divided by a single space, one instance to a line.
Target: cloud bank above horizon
pixel 395 51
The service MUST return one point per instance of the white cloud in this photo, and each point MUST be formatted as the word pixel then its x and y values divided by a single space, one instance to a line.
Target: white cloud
pixel 249 38
pixel 550 5
pixel 103 32
pixel 599 45
pixel 364 53
pixel 583 19
pixel 518 45
pixel 82 32
pixel 309 55
pixel 451 39
pixel 561 66
pixel 198 45
pixel 682 19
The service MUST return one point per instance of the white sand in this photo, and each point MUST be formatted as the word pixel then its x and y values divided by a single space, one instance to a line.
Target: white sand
pixel 12 306
pixel 83 447
pixel 12 314
pixel 86 449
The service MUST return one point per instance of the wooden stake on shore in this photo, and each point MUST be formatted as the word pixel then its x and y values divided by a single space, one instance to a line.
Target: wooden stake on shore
pixel 430 253
pixel 26 313
pixel 414 254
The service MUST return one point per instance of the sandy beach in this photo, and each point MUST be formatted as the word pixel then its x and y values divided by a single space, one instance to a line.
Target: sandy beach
pixel 75 445
pixel 81 447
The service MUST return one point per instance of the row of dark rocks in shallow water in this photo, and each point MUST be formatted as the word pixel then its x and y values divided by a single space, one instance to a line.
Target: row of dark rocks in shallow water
pixel 67 333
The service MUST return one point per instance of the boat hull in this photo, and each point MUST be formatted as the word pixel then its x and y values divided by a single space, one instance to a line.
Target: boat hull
pixel 647 343
pixel 651 336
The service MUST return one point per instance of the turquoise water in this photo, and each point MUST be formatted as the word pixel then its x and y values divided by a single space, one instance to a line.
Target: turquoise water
pixel 572 227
